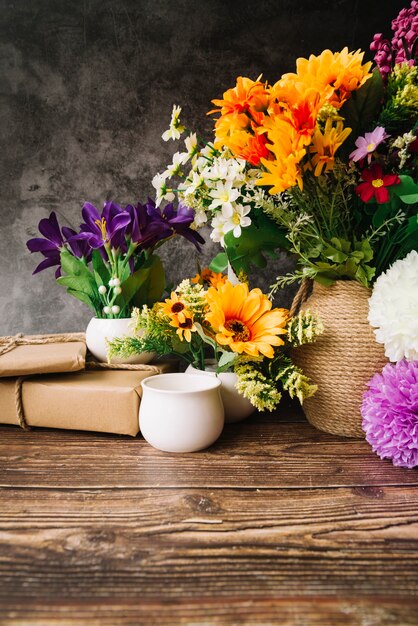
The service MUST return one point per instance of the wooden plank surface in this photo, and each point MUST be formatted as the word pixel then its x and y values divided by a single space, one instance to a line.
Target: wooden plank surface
pixel 275 524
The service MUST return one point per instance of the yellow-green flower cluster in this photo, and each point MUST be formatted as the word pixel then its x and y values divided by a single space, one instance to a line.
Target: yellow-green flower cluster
pixel 261 391
pixel 193 297
pixel 304 328
pixel 297 384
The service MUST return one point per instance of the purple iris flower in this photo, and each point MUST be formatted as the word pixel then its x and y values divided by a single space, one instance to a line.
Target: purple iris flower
pixel 53 242
pixel 50 246
pixel 159 225
pixel 105 228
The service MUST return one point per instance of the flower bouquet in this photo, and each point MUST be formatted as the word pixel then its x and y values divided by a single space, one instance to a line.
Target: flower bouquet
pixel 237 328
pixel 110 263
pixel 322 163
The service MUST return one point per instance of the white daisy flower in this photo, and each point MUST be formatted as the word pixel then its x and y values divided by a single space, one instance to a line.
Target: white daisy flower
pixel 393 309
pixel 223 195
pixel 175 129
pixel 239 219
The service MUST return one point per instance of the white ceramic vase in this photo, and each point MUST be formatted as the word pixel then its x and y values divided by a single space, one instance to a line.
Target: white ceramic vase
pixel 236 407
pixel 99 330
pixel 181 413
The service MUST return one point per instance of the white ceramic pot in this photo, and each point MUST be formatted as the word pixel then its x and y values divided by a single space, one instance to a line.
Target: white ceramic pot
pixel 236 407
pixel 99 330
pixel 181 413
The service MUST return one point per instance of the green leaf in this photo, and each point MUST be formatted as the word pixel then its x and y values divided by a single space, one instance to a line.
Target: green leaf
pixel 80 295
pixel 219 263
pixel 84 284
pixel 226 360
pixel 362 108
pixel 101 271
pixel 208 340
pixel 262 236
pixel 73 266
pixel 148 286
pixel 407 190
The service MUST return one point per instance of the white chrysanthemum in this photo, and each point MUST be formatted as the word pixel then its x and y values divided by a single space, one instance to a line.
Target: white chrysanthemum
pixel 393 309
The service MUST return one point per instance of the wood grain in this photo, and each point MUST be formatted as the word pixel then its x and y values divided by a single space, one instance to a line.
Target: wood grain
pixel 260 455
pixel 275 524
pixel 210 543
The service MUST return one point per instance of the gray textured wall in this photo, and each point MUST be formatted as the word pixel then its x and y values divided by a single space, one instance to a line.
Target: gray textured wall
pixel 87 88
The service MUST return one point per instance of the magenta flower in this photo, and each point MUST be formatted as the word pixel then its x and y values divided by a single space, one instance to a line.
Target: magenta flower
pixel 368 144
pixel 390 413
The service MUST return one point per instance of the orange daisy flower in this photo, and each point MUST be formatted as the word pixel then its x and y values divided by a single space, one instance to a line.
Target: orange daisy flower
pixel 244 321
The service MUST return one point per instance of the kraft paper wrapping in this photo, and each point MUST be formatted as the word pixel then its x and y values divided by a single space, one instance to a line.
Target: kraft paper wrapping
pixel 94 400
pixel 25 360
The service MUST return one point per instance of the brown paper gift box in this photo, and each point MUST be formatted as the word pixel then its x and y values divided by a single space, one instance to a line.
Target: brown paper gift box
pixel 34 357
pixel 97 400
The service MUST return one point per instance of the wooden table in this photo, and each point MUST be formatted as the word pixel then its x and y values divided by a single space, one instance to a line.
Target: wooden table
pixel 276 524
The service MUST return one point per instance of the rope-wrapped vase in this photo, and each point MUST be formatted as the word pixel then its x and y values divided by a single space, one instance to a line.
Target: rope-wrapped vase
pixel 342 360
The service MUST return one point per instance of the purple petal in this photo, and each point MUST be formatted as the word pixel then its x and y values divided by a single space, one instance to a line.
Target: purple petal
pixel 49 262
pixel 90 215
pixel 49 228
pixel 40 245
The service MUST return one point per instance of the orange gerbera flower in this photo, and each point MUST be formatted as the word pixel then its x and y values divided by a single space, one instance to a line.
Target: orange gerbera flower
pixel 333 74
pixel 297 104
pixel 324 145
pixel 211 278
pixel 247 94
pixel 288 150
pixel 244 321
pixel 184 328
pixel 175 308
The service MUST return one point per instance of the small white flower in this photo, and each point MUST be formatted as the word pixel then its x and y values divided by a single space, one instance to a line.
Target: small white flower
pixel 115 309
pixel 200 218
pixel 102 289
pixel 238 219
pixel 116 282
pixel 220 229
pixel 175 129
pixel 191 145
pixel 163 193
pixel 107 310
pixel 117 290
pixel 223 196
pixel 192 183
pixel 112 282
pixel 393 309
pixel 174 169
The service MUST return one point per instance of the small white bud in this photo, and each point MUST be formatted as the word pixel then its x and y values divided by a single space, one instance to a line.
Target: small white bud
pixel 117 290
pixel 102 289
pixel 107 310
pixel 115 309
pixel 116 282
pixel 112 282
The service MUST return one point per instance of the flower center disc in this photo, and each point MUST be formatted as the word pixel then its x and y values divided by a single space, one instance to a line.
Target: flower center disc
pixel 177 307
pixel 241 332
pixel 188 323
pixel 377 182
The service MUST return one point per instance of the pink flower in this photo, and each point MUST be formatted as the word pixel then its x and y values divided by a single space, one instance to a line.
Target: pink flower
pixel 367 145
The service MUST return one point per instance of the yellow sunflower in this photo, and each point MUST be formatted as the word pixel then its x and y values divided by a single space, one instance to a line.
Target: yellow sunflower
pixel 184 328
pixel 244 321
pixel 175 308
